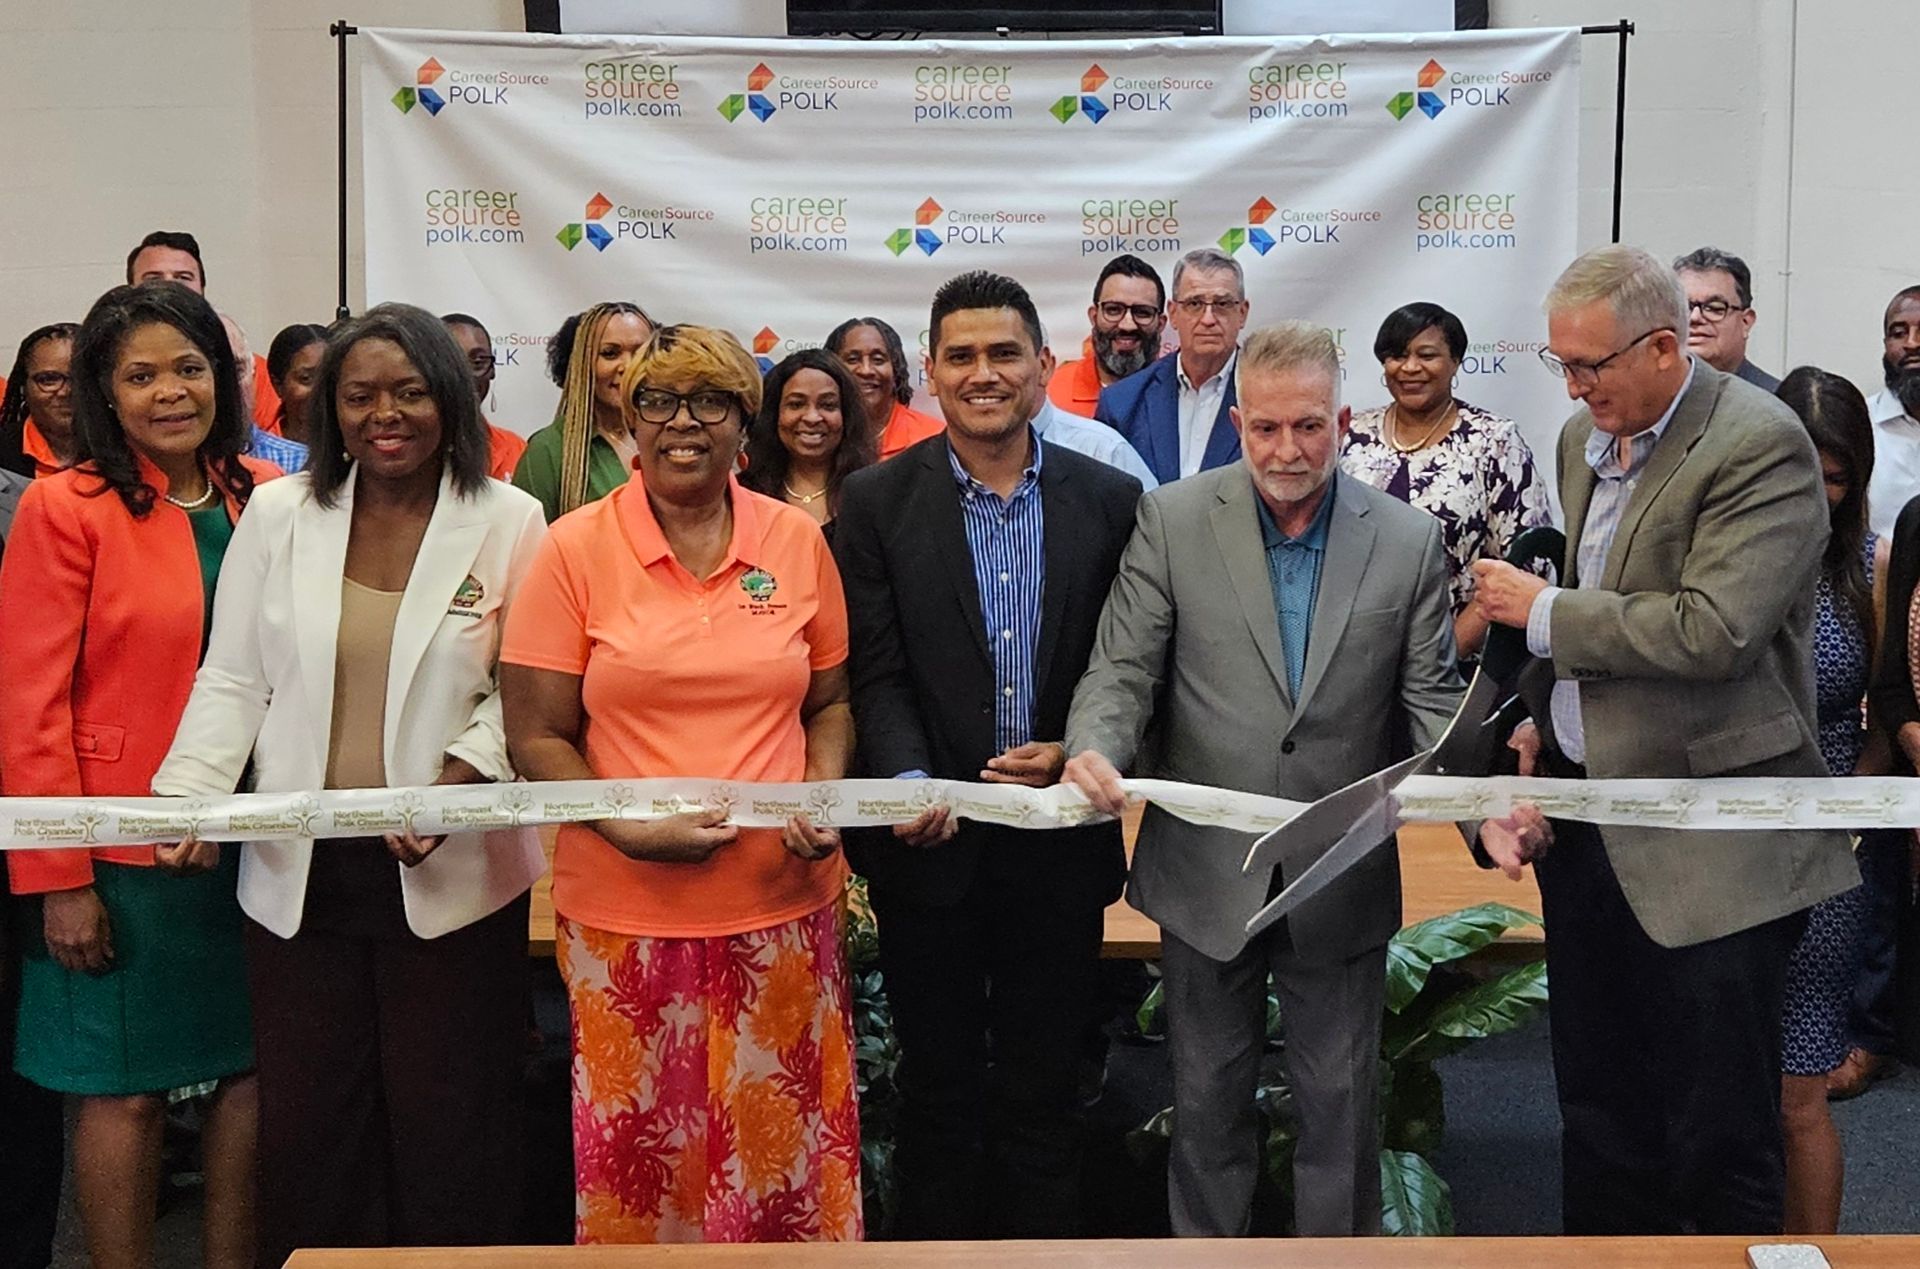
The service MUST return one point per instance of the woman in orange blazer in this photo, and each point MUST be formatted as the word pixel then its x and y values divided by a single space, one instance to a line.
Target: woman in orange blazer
pixel 137 986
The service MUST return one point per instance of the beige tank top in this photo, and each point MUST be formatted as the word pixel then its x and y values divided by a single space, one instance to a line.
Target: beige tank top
pixel 356 748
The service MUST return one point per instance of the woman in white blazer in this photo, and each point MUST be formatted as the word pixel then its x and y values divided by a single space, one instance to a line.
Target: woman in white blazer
pixel 353 646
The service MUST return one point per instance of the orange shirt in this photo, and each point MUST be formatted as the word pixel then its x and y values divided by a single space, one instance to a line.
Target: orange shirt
pixel 907 427
pixel 266 399
pixel 503 451
pixel 1075 386
pixel 681 677
pixel 34 445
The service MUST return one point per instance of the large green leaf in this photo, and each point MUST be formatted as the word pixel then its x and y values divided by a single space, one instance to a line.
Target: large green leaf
pixel 1415 1201
pixel 1490 1008
pixel 1414 951
pixel 1150 1017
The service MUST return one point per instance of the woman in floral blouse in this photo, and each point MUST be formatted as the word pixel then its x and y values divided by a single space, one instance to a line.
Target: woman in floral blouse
pixel 1469 469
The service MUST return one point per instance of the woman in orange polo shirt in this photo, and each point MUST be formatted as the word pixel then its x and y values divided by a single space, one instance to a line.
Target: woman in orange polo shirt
pixel 871 350
pixel 685 626
pixel 36 413
pixel 136 986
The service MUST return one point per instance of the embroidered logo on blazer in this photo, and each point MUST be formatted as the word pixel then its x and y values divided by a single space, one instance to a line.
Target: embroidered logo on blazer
pixel 467 598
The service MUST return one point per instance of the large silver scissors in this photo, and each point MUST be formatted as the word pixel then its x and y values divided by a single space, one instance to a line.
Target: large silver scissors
pixel 1341 829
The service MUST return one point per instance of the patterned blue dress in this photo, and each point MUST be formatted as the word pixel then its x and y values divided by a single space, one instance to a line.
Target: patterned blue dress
pixel 1814 1036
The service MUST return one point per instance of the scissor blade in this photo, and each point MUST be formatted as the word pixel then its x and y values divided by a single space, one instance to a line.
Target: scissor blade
pixel 1465 749
pixel 1367 833
pixel 1326 821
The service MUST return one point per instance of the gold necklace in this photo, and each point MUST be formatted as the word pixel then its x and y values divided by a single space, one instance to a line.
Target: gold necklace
pixel 1393 428
pixel 806 499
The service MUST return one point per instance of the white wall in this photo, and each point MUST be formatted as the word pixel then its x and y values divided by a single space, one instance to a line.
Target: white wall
pixel 1755 125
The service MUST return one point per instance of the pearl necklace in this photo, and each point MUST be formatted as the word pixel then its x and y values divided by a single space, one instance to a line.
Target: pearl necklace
pixel 195 504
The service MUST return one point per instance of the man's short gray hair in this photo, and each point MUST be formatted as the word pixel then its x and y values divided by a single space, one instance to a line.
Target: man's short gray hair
pixel 1289 346
pixel 1210 260
pixel 1714 260
pixel 1644 294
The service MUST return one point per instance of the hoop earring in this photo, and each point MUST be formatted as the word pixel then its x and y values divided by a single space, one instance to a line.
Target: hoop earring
pixel 1383 378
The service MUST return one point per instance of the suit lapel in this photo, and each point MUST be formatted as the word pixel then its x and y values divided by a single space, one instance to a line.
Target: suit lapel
pixel 320 557
pixel 1223 443
pixel 1350 537
pixel 455 533
pixel 1683 432
pixel 1057 550
pixel 949 542
pixel 1163 421
pixel 1236 528
pixel 1576 493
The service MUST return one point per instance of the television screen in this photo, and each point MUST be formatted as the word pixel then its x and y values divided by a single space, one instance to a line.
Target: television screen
pixel 825 17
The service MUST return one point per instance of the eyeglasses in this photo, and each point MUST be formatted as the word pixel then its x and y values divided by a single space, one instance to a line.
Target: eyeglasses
pixel 482 362
pixel 1143 314
pixel 707 407
pixel 1196 306
pixel 49 380
pixel 1713 310
pixel 1587 373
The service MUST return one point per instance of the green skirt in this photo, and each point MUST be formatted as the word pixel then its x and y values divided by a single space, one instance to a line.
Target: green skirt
pixel 172 1008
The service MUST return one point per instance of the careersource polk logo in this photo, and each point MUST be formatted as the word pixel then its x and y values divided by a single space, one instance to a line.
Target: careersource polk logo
pixel 631 89
pixel 435 87
pixel 1465 221
pixel 809 223
pixel 1297 90
pixel 473 217
pixel 971 228
pixel 769 346
pixel 604 224
pixel 768 93
pixel 1269 226
pixel 1440 89
pixel 962 92
pixel 1101 95
pixel 1109 226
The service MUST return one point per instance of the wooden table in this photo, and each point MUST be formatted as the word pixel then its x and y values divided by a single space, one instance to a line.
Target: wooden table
pixel 1856 1252
pixel 1437 876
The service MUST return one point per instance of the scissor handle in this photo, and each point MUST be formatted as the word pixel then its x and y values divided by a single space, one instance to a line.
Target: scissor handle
pixel 1505 650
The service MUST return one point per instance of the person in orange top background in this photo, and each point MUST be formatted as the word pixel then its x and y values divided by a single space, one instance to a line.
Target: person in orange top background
pixel 134 985
pixel 871 349
pixel 167 255
pixel 504 447
pixel 1128 316
pixel 36 414
pixel 686 626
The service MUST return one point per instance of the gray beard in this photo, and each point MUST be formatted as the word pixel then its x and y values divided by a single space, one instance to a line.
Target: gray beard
pixel 1119 365
pixel 1904 384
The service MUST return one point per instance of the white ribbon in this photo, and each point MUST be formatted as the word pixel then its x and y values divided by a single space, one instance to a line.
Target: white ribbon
pixel 41 823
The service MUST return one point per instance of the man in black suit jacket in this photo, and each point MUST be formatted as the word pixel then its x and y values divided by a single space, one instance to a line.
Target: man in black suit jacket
pixel 976 565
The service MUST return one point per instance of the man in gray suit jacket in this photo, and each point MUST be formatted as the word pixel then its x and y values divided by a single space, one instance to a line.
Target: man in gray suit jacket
pixel 1273 620
pixel 1678 645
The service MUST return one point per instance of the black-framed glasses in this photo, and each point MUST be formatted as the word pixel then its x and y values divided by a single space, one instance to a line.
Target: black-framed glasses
pixel 1114 310
pixel 1197 306
pixel 707 407
pixel 1587 373
pixel 50 380
pixel 1714 310
pixel 482 362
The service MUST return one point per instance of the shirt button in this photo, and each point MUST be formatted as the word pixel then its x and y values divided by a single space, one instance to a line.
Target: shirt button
pixel 1006 691
pixel 1286 746
pixel 1006 577
pixel 1006 634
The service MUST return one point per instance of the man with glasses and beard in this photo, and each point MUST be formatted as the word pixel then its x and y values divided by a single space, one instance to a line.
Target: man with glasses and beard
pixel 1176 412
pixel 1895 411
pixel 1129 312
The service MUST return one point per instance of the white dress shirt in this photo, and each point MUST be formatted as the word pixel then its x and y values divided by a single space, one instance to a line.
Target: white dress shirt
pixel 1199 407
pixel 1896 460
pixel 1092 438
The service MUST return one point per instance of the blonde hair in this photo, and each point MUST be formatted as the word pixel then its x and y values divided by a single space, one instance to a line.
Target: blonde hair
pixel 575 414
pixel 1286 346
pixel 705 354
pixel 1644 294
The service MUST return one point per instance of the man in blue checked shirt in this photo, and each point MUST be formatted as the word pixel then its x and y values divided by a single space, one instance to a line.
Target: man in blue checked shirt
pixel 975 565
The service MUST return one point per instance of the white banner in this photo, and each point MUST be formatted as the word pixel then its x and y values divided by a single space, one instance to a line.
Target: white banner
pixel 1737 803
pixel 776 187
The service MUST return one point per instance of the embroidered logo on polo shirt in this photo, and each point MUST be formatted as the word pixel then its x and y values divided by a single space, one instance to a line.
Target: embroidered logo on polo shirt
pixel 467 598
pixel 759 585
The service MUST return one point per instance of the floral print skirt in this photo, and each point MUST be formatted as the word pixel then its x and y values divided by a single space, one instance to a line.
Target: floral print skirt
pixel 713 1085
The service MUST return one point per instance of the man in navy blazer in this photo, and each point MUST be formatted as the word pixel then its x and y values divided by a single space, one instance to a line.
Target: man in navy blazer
pixel 1175 412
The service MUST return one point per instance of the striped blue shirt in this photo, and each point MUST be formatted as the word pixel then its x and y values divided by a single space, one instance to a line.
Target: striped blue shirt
pixel 1293 566
pixel 1008 540
pixel 1612 491
pixel 288 456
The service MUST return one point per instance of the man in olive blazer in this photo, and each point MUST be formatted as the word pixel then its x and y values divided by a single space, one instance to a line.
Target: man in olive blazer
pixel 1278 624
pixel 1680 646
